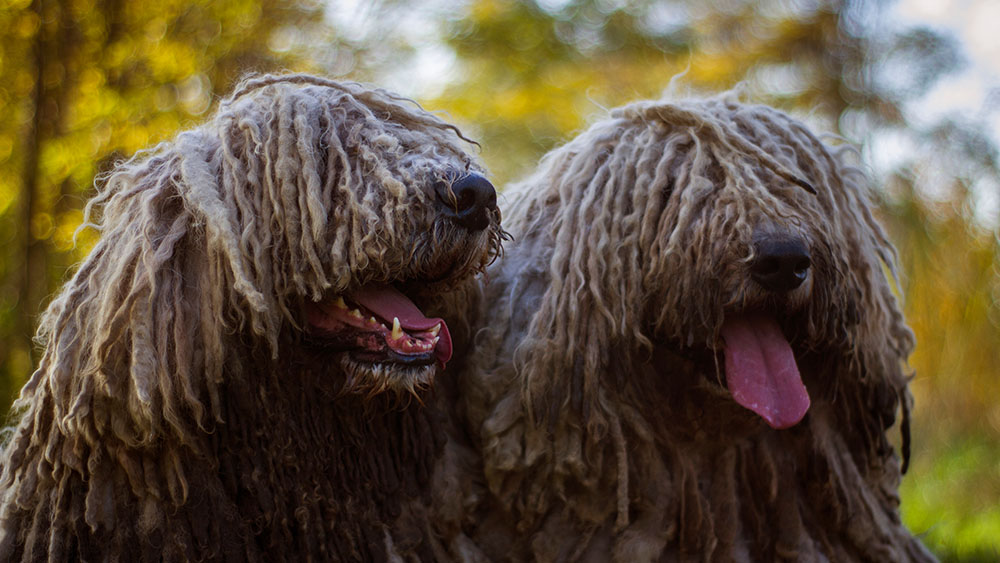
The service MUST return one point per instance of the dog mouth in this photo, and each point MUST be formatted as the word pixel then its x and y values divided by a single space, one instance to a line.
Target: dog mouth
pixel 761 371
pixel 378 324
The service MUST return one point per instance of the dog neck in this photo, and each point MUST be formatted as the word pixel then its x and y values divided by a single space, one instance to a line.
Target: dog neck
pixel 316 466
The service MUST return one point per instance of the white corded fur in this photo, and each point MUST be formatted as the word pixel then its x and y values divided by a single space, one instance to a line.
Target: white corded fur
pixel 599 425
pixel 180 333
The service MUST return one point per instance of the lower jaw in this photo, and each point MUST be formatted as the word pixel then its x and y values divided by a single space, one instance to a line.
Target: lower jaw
pixel 390 359
pixel 368 378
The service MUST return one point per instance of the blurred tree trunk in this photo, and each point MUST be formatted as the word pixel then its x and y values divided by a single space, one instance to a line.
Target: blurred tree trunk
pixel 32 253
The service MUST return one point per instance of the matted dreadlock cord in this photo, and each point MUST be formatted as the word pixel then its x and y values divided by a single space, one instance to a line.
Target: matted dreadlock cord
pixel 376 97
pixel 722 132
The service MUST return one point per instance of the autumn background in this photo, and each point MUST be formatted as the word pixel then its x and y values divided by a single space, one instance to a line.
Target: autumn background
pixel 85 83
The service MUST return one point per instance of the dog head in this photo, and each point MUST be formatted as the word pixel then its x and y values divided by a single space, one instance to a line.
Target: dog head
pixel 305 212
pixel 718 240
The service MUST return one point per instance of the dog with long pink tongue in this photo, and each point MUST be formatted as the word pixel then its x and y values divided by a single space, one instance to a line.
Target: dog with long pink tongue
pixel 689 352
pixel 761 372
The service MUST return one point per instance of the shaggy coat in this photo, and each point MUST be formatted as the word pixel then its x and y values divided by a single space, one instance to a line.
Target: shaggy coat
pixel 608 408
pixel 206 393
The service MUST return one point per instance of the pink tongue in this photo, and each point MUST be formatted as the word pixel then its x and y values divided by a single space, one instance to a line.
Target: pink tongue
pixel 761 370
pixel 386 302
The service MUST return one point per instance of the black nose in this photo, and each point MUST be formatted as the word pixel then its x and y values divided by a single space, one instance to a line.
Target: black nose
pixel 781 264
pixel 468 202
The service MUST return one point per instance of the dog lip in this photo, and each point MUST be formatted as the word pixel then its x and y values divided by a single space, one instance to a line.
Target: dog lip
pixel 358 322
pixel 388 356
pixel 366 347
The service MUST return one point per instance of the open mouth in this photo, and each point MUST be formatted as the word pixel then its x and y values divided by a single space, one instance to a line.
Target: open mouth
pixel 761 372
pixel 377 324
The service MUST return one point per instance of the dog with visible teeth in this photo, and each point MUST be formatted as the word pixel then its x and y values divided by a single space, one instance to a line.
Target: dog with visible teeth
pixel 690 352
pixel 225 377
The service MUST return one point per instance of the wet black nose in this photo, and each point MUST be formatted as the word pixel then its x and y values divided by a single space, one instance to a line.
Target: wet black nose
pixel 469 202
pixel 781 264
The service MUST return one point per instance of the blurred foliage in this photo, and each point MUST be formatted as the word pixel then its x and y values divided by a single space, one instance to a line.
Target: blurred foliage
pixel 950 498
pixel 534 72
pixel 952 493
pixel 86 82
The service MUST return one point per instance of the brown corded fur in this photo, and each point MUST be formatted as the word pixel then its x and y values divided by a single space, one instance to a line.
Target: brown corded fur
pixel 597 424
pixel 179 412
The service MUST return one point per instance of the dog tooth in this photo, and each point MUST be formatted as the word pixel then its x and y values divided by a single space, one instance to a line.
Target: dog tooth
pixel 397 331
pixel 372 320
pixel 339 302
pixel 436 329
pixel 355 313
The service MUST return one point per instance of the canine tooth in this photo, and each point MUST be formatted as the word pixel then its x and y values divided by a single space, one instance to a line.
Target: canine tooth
pixel 435 341
pixel 397 331
pixel 436 329
pixel 339 303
